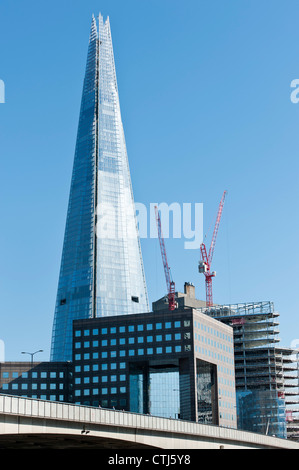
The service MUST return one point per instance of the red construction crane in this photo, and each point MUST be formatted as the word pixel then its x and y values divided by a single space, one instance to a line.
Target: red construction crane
pixel 169 282
pixel 204 265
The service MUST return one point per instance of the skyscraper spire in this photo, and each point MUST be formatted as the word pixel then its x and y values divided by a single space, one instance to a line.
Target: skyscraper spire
pixel 101 270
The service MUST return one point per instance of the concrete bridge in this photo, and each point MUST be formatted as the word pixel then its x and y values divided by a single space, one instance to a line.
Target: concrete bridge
pixel 29 423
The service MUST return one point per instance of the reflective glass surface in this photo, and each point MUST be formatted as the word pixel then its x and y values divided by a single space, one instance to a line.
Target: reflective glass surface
pixel 120 282
pixel 206 393
pixel 262 411
pixel 164 393
pixel 101 271
pixel 137 404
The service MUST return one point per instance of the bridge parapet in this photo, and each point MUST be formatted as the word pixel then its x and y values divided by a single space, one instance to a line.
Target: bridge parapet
pixel 38 416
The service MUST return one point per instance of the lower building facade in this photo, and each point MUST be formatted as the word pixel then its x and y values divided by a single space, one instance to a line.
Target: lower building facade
pixel 221 365
pixel 42 380
pixel 177 364
pixel 266 373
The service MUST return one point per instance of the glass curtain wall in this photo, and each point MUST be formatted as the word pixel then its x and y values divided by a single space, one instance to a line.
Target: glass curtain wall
pixel 262 411
pixel 120 280
pixel 155 390
pixel 207 409
pixel 101 270
pixel 164 393
pixel 75 287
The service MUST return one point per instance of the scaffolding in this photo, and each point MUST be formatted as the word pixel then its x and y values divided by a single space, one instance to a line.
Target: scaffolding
pixel 267 375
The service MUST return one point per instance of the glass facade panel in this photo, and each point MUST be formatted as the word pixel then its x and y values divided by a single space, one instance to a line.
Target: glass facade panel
pixel 137 404
pixel 164 396
pixel 262 411
pixel 101 269
pixel 207 408
pixel 118 261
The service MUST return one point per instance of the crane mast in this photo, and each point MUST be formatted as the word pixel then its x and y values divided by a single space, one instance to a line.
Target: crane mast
pixel 169 282
pixel 206 259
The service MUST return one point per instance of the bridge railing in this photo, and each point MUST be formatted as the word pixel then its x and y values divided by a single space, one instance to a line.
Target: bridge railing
pixel 11 404
pixel 88 415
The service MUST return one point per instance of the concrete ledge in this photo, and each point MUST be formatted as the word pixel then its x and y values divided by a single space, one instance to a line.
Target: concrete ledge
pixel 24 416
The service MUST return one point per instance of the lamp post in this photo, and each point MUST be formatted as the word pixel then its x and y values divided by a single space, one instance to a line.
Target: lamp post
pixel 31 354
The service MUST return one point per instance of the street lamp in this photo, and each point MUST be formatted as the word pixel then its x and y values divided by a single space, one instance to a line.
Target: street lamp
pixel 32 354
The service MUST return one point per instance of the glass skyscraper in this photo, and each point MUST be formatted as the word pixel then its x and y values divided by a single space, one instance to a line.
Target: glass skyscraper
pixel 101 271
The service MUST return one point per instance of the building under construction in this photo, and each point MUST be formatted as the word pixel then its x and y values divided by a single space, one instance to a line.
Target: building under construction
pixel 266 374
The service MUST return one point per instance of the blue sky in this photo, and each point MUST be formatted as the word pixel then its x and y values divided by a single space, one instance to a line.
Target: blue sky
pixel 205 98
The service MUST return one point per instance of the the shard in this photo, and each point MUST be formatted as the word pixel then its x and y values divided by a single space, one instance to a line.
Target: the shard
pixel 101 271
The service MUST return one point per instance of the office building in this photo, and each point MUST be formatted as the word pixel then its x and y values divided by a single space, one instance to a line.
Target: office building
pixel 176 364
pixel 170 364
pixel 266 373
pixel 43 380
pixel 101 269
